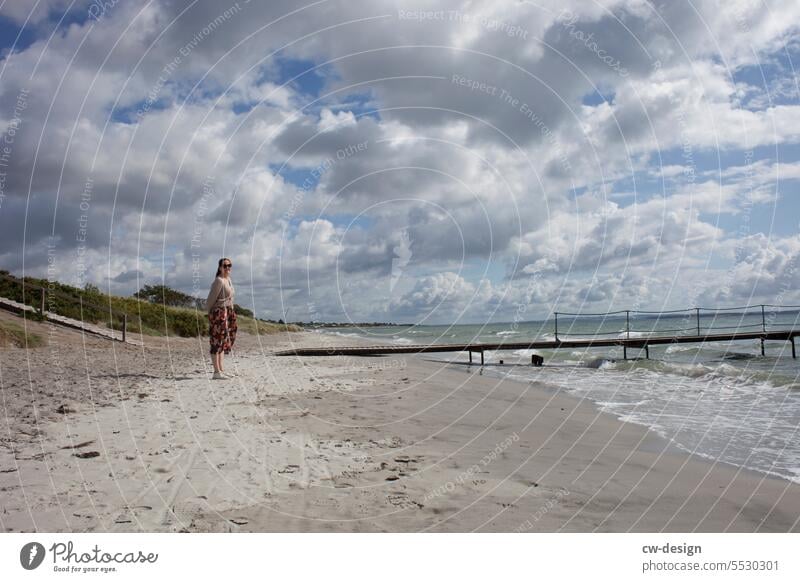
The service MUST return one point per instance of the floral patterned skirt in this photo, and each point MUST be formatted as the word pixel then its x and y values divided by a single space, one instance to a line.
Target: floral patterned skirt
pixel 222 329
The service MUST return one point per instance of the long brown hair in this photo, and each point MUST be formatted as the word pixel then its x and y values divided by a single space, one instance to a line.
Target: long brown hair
pixel 219 265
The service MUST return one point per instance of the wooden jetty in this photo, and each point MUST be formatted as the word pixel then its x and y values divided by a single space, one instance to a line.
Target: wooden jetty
pixel 625 343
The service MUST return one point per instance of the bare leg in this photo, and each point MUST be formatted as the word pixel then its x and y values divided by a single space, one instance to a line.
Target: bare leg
pixel 221 356
pixel 215 361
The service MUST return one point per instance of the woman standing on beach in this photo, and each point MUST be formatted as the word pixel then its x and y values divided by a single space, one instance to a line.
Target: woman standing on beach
pixel 221 317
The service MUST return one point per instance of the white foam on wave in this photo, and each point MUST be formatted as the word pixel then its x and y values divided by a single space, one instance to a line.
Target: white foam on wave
pixel 344 334
pixel 508 332
pixel 623 404
pixel 626 334
pixel 678 348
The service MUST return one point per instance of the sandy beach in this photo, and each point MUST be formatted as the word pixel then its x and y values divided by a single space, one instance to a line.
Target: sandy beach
pixel 100 436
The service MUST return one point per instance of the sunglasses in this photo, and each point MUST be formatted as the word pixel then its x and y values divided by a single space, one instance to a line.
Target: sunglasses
pixel 227 266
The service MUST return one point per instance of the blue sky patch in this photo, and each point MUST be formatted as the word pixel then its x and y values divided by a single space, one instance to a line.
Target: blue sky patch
pixel 12 35
pixel 302 75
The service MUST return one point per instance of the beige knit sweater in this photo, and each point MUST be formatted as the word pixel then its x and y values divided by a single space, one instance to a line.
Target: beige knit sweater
pixel 221 294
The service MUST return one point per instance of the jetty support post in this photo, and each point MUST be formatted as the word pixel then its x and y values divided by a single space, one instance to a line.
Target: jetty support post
pixel 628 324
pixel 481 357
pixel 697 311
pixel 762 346
pixel 794 354
pixel 470 356
pixel 647 351
pixel 124 327
pixel 624 352
pixel 556 334
pixel 763 320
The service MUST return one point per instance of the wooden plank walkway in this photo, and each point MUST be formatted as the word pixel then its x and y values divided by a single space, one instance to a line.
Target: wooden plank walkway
pixel 625 343
pixel 106 332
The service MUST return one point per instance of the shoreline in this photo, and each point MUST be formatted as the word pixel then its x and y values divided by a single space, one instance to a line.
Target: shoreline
pixel 323 444
pixel 667 445
pixel 497 370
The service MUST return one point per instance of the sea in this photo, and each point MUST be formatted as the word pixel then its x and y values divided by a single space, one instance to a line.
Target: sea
pixel 723 401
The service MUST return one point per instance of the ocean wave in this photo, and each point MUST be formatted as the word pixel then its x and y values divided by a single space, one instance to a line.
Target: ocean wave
pixel 626 334
pixel 612 404
pixel 601 364
pixel 344 334
pixel 501 333
pixel 678 348
pixel 738 356
pixel 528 353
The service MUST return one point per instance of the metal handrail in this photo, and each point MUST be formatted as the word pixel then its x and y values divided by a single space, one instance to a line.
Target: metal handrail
pixel 590 314
pixel 698 312
pixel 659 312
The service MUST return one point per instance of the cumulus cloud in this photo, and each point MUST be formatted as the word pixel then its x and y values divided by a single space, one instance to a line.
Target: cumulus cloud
pixel 765 270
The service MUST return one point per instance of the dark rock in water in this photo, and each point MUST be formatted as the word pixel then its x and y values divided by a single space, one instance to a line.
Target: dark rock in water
pixel 736 356
pixel 537 360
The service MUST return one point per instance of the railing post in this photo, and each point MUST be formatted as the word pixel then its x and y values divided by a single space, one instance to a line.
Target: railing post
pixel 763 320
pixel 697 309
pixel 124 326
pixel 556 313
pixel 628 324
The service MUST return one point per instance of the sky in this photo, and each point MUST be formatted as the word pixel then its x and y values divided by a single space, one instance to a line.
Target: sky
pixel 421 162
